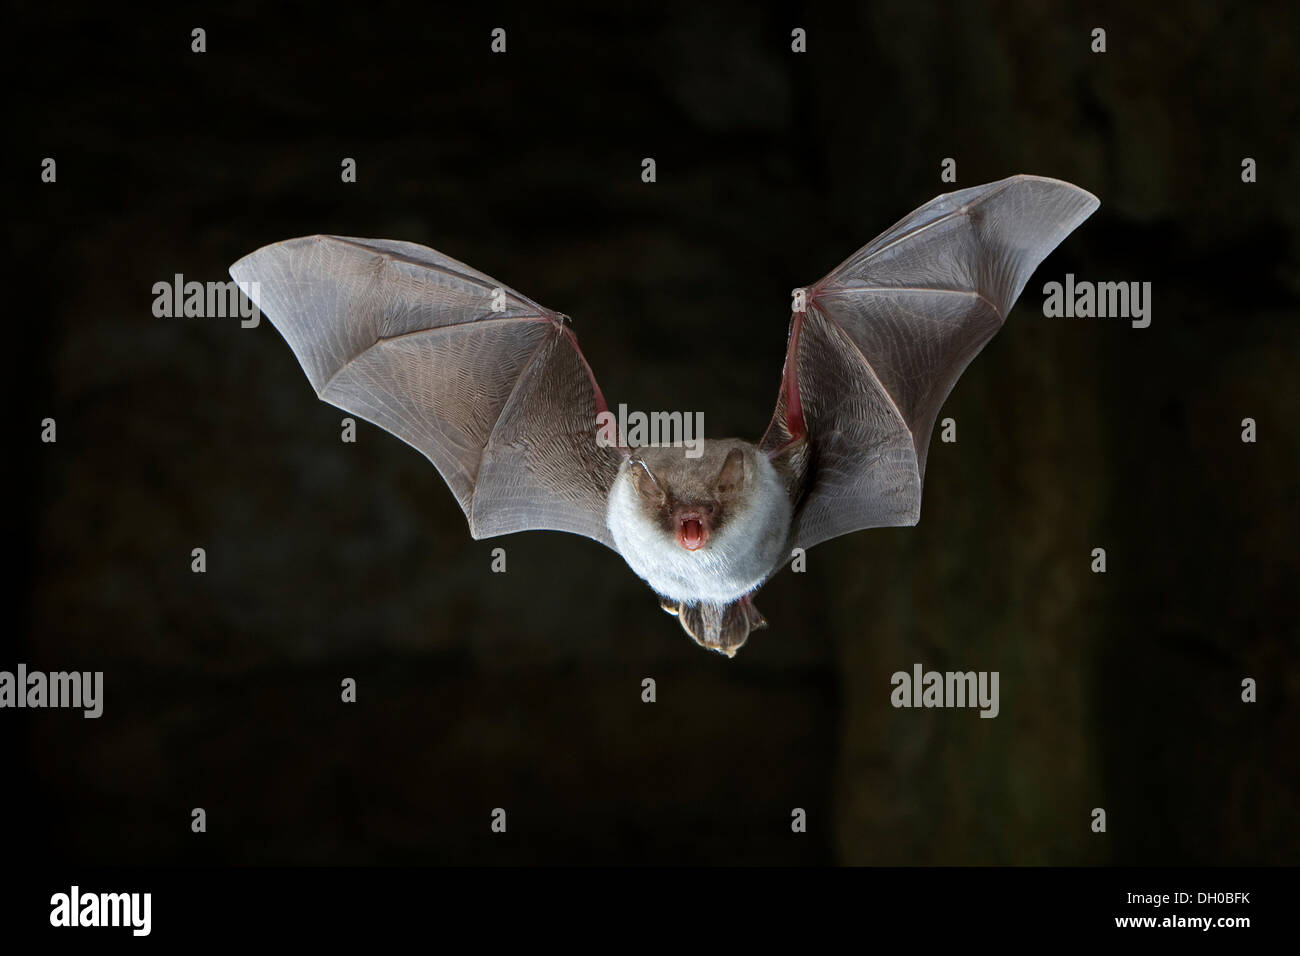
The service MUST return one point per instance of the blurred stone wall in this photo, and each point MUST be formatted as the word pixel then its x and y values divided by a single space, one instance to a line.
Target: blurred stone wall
pixel 522 690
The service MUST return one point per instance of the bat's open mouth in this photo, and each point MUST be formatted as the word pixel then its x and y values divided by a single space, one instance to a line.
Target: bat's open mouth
pixel 691 534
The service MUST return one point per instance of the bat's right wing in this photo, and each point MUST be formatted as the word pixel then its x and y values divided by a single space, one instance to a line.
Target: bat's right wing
pixel 885 336
pixel 490 386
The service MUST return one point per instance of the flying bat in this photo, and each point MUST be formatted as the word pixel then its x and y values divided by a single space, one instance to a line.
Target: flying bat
pixel 492 388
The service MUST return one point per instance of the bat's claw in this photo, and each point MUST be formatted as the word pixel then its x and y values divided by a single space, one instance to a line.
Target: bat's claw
pixel 669 605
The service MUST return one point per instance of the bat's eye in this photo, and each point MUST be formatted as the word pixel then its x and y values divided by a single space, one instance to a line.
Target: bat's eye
pixel 708 509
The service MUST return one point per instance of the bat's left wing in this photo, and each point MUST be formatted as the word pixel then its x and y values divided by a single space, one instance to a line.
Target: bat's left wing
pixel 884 338
pixel 490 386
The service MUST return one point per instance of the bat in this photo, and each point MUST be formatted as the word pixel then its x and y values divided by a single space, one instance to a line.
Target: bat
pixel 493 389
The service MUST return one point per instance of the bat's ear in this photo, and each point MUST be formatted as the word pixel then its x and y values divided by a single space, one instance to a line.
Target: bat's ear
pixel 731 479
pixel 647 485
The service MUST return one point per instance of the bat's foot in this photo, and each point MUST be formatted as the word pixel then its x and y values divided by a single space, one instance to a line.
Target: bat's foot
pixel 756 620
pixel 718 627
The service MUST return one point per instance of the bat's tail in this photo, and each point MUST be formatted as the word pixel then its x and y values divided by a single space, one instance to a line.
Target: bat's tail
pixel 719 627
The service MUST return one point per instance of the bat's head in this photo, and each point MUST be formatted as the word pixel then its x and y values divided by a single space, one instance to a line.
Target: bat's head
pixel 704 528
pixel 689 501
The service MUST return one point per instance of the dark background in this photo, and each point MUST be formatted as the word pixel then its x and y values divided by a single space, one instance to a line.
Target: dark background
pixel 522 690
